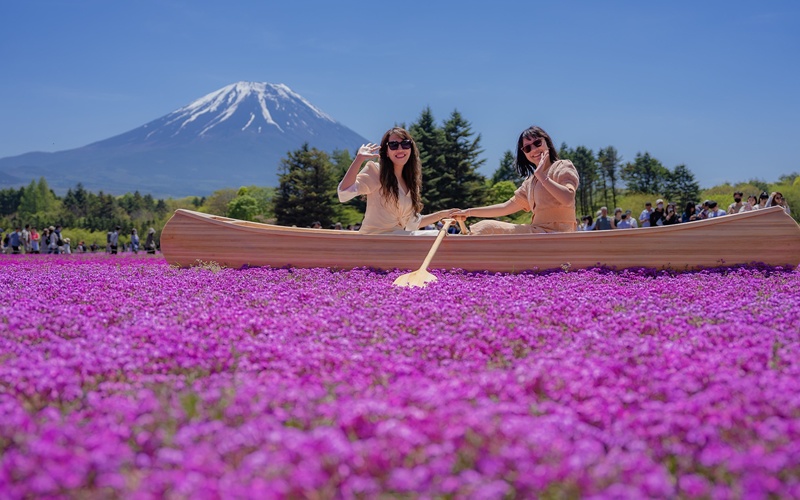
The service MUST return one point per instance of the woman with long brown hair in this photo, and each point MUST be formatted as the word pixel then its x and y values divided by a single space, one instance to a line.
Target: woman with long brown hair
pixel 392 185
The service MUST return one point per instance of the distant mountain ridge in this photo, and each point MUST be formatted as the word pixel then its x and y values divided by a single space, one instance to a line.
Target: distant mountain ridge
pixel 233 136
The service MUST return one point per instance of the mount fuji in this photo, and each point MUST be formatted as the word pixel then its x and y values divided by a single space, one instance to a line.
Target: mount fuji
pixel 232 137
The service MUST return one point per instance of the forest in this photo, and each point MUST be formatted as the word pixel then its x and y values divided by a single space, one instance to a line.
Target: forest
pixel 450 152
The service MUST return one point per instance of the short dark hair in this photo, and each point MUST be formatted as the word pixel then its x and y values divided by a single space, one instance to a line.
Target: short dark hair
pixel 524 166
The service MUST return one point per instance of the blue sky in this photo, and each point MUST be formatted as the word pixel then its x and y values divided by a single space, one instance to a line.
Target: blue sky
pixel 709 84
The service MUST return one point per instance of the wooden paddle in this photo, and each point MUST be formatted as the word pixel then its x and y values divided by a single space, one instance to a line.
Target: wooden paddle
pixel 422 277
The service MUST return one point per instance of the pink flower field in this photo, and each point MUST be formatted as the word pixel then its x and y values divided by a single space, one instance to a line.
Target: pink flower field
pixel 124 377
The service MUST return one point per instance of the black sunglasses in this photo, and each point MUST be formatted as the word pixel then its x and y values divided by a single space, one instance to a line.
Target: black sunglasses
pixel 535 144
pixel 394 145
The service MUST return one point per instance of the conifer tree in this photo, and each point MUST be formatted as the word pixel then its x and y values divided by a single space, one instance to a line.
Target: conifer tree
pixel 645 174
pixel 430 141
pixel 507 171
pixel 457 183
pixel 307 188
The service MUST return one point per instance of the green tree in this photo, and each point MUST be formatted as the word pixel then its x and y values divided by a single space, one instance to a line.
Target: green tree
pixel 681 186
pixel 458 184
pixel 609 164
pixel 9 200
pixel 244 206
pixel 645 174
pixel 430 141
pixel 586 164
pixel 307 188
pixel 507 171
pixel 500 192
pixel 217 203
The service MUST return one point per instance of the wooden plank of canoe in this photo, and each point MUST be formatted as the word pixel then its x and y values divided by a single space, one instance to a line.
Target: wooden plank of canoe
pixel 769 236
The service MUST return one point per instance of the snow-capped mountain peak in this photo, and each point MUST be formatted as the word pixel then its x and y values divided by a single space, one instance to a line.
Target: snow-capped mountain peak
pixel 242 106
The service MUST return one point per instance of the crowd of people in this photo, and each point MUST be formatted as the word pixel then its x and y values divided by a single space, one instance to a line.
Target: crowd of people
pixel 28 240
pixel 668 214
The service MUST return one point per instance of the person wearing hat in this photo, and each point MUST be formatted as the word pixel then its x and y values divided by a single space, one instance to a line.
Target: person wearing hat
pixel 658 215
pixel 736 206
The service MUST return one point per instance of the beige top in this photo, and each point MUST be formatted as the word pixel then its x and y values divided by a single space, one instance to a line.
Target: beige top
pixel 550 206
pixel 382 215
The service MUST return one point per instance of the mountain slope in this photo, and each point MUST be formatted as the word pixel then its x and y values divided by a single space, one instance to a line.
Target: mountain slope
pixel 234 136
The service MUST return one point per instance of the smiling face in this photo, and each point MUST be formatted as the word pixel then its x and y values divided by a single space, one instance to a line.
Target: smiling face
pixel 399 156
pixel 534 148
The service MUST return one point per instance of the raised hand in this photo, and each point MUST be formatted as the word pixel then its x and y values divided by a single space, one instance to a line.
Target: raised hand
pixel 369 151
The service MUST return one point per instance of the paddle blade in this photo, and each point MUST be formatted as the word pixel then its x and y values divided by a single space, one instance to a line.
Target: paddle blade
pixel 417 278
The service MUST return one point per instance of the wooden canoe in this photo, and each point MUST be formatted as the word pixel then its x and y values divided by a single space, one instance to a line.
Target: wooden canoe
pixel 768 236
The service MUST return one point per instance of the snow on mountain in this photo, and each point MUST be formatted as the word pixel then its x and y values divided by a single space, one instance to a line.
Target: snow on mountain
pixel 233 136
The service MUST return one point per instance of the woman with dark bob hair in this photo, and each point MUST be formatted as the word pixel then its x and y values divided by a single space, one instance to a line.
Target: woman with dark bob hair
pixel 392 185
pixel 548 191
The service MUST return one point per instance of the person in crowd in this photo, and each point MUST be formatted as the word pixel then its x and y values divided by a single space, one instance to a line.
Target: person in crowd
pixel 604 222
pixel 338 226
pixel 548 191
pixel 777 199
pixel 657 216
pixel 736 206
pixel 644 217
pixel 316 225
pixel 671 216
pixel 134 241
pixel 35 240
pixel 689 212
pixel 15 241
pixel 26 239
pixel 55 236
pixel 392 185
pixel 750 204
pixel 634 222
pixel 587 223
pixel 704 210
pixel 65 248
pixel 617 216
pixel 624 222
pixel 714 210
pixel 150 242
pixel 93 247
pixel 762 200
pixel 114 241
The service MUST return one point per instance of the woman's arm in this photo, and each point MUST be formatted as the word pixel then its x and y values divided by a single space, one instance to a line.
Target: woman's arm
pixel 498 210
pixel 436 216
pixel 365 152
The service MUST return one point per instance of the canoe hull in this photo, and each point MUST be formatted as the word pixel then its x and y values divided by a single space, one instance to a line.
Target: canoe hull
pixel 766 236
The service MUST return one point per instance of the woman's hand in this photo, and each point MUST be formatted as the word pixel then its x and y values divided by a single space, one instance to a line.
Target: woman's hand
pixel 369 151
pixel 539 173
pixel 459 215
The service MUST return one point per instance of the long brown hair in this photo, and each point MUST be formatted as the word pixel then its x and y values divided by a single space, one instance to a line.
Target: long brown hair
pixel 524 166
pixel 412 170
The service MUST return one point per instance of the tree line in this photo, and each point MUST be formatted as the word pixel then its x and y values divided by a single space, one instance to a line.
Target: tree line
pixel 450 153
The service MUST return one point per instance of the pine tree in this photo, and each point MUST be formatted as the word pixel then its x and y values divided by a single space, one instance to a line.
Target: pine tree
pixel 307 188
pixel 681 185
pixel 430 142
pixel 609 160
pixel 458 184
pixel 645 174
pixel 507 171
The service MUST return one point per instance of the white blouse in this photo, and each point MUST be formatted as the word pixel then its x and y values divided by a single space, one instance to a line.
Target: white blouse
pixel 382 215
